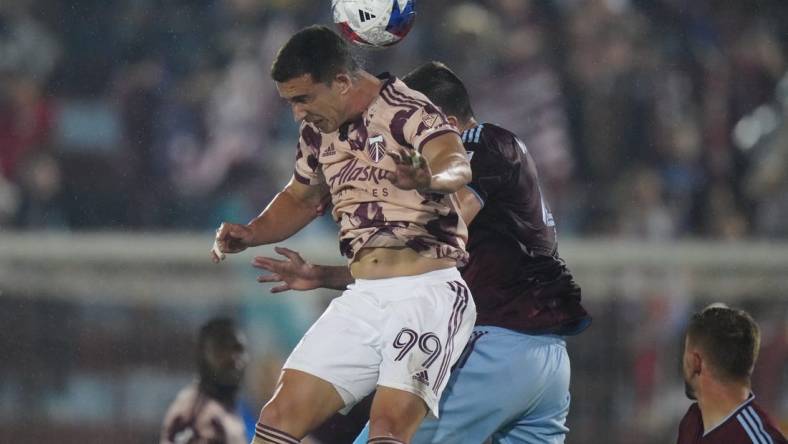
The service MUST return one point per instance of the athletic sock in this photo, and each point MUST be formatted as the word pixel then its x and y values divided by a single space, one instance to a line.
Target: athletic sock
pixel 272 435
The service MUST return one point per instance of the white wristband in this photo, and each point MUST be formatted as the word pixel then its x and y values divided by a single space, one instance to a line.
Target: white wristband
pixel 215 249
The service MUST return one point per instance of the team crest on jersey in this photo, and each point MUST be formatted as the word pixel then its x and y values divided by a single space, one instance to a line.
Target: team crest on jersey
pixel 376 148
pixel 429 119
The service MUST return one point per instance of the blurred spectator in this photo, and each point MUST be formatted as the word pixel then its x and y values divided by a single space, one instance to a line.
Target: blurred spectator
pixel 9 201
pixel 25 120
pixel 647 215
pixel 26 47
pixel 510 65
pixel 767 180
pixel 41 182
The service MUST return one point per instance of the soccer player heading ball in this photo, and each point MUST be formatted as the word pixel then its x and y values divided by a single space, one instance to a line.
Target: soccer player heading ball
pixel 404 322
pixel 526 298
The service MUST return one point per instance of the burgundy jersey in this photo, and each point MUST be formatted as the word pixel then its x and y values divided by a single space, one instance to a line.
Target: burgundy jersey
pixel 517 279
pixel 196 418
pixel 747 424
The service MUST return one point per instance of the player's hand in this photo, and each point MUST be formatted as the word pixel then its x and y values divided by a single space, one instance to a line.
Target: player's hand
pixel 293 273
pixel 412 173
pixel 323 205
pixel 230 238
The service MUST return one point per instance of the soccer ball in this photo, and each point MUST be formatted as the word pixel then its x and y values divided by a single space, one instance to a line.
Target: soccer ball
pixel 374 23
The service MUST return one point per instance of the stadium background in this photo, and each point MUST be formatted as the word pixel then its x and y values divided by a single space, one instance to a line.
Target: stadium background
pixel 130 128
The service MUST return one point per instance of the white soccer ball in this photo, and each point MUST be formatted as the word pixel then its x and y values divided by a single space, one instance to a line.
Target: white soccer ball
pixel 375 23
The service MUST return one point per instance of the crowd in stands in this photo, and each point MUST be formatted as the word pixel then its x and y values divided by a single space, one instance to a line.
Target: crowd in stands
pixel 649 119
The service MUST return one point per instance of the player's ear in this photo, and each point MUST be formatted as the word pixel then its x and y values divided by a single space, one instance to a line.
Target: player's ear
pixel 453 121
pixel 342 83
pixel 696 363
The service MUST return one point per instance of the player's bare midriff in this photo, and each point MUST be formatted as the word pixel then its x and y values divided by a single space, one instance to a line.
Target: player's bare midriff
pixel 381 263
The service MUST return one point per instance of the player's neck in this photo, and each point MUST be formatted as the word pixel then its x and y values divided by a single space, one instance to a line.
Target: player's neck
pixel 224 394
pixel 365 91
pixel 718 400
pixel 469 124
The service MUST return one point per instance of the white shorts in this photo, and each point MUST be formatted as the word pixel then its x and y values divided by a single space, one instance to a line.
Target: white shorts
pixel 404 332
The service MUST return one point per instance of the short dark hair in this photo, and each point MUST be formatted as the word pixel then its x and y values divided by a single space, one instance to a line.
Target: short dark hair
pixel 215 329
pixel 314 50
pixel 436 81
pixel 729 338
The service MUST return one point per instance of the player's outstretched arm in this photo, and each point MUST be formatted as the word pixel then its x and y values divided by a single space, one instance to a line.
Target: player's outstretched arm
pixel 469 204
pixel 293 273
pixel 289 211
pixel 442 167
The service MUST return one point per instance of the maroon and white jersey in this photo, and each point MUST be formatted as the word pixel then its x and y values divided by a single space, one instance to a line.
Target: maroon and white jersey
pixel 515 274
pixel 747 424
pixel 196 418
pixel 352 161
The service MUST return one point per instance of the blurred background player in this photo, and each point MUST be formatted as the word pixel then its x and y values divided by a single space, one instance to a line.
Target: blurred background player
pixel 525 296
pixel 399 230
pixel 205 411
pixel 720 350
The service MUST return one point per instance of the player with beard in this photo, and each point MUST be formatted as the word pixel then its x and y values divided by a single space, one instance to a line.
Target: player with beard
pixel 720 349
pixel 512 382
pixel 205 411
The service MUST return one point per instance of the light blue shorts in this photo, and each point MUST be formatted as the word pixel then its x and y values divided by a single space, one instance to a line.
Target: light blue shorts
pixel 507 386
